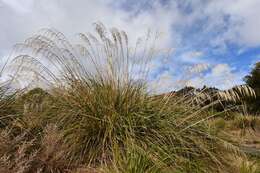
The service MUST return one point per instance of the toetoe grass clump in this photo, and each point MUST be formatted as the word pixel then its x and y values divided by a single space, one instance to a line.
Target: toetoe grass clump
pixel 98 97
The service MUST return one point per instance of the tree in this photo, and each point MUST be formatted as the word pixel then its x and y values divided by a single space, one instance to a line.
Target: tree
pixel 253 80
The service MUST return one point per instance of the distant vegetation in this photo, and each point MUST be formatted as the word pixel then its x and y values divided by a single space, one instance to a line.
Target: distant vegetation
pixel 103 118
pixel 253 80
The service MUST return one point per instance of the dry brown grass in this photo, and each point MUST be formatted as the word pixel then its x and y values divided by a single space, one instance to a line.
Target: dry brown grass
pixel 24 155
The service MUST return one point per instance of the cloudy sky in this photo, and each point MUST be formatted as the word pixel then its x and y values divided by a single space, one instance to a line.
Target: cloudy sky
pixel 218 40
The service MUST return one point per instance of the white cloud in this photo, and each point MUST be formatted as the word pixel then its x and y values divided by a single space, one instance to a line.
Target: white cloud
pixel 19 6
pixel 223 76
pixel 199 68
pixel 235 21
pixel 224 21
pixel 196 82
pixel 20 19
pixel 238 18
pixel 163 83
pixel 221 69
pixel 192 56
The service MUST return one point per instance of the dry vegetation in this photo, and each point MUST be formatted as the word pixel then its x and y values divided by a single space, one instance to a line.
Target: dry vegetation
pixel 102 117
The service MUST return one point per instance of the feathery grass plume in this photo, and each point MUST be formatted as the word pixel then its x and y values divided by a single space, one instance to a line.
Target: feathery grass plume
pixel 108 117
pixel 236 93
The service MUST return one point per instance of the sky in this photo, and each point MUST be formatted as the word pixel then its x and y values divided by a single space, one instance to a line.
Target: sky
pixel 217 40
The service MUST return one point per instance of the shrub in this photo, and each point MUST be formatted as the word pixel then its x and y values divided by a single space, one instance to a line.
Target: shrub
pixel 253 81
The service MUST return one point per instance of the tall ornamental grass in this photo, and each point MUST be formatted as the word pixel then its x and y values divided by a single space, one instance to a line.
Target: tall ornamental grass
pixel 108 118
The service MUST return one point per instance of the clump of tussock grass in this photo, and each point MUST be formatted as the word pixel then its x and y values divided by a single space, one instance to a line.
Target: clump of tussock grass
pixel 109 119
